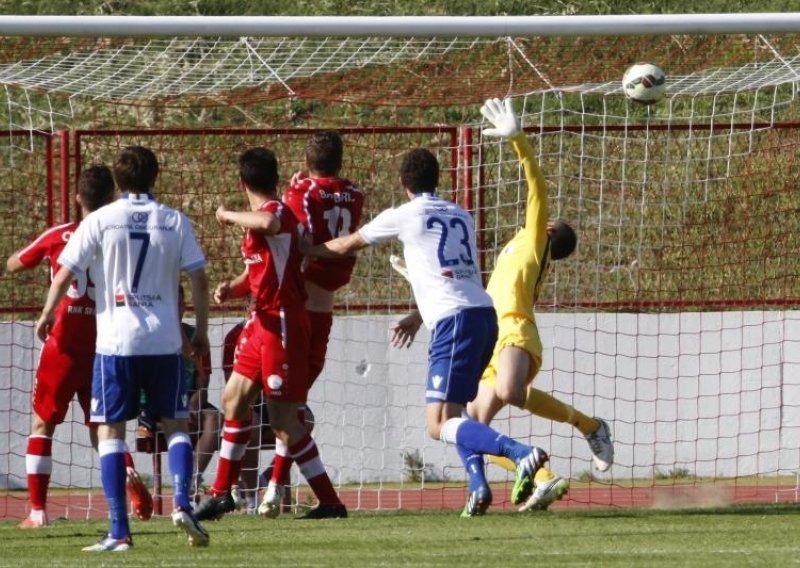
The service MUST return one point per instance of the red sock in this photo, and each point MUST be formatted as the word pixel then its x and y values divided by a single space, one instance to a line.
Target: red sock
pixel 235 435
pixel 306 456
pixel 281 464
pixel 39 466
pixel 128 460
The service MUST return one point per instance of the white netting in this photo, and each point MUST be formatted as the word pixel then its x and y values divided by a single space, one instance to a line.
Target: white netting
pixel 685 210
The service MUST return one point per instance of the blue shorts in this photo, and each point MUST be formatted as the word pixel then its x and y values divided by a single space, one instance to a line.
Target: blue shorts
pixel 461 346
pixel 118 381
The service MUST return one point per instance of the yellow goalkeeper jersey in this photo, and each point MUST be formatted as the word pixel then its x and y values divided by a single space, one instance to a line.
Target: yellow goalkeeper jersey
pixel 517 277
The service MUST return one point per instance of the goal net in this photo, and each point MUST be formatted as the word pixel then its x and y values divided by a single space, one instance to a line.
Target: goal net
pixel 675 320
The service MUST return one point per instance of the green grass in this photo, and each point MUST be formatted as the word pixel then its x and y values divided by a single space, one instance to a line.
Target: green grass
pixel 740 536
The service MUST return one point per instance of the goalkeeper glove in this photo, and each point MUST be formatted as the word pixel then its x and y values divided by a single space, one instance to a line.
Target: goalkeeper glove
pixel 501 115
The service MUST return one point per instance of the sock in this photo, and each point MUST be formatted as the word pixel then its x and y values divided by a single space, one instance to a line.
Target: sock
pixel 479 438
pixel 235 435
pixel 473 463
pixel 306 455
pixel 128 460
pixel 39 466
pixel 281 464
pixel 112 473
pixel 542 404
pixel 179 455
pixel 543 475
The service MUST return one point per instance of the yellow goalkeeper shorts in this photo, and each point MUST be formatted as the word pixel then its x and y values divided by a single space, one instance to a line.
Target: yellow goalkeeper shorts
pixel 515 331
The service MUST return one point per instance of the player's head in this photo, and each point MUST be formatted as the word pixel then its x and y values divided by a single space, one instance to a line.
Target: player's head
pixel 324 151
pixel 95 187
pixel 562 239
pixel 419 171
pixel 136 169
pixel 258 170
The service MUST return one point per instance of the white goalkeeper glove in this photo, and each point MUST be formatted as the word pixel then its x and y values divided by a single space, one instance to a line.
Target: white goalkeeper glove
pixel 501 115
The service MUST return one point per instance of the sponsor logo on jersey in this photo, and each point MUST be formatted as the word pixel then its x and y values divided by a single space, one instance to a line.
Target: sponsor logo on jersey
pixel 140 217
pixel 254 259
pixel 336 196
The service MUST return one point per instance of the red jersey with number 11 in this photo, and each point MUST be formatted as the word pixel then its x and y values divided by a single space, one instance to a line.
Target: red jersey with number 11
pixel 273 263
pixel 328 207
pixel 75 326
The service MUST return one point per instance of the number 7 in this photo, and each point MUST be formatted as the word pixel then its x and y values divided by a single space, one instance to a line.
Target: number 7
pixel 137 272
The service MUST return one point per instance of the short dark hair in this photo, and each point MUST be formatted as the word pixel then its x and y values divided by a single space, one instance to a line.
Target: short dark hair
pixel 136 169
pixel 96 187
pixel 258 168
pixel 324 151
pixel 562 240
pixel 419 172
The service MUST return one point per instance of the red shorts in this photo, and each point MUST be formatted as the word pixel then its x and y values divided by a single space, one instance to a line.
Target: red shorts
pixel 59 377
pixel 273 351
pixel 321 323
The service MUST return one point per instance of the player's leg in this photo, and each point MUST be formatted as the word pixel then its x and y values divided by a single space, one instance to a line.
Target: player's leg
pixel 57 376
pixel 38 467
pixel 208 440
pixel 163 381
pixel 239 393
pixel 320 324
pixel 595 430
pixel 461 346
pixel 304 452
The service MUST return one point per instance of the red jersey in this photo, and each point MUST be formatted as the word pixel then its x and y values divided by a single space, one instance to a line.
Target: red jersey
pixel 328 207
pixel 273 263
pixel 75 327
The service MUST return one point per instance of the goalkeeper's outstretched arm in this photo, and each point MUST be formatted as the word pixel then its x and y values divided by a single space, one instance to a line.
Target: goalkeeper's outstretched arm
pixel 507 125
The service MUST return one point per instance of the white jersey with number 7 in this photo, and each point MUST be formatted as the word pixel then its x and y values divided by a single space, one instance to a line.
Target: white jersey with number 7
pixel 134 249
pixel 440 252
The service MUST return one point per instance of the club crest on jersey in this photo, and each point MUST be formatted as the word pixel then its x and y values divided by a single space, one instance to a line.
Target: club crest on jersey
pixel 274 382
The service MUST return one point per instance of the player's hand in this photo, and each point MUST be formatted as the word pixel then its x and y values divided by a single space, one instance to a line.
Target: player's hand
pixel 298 178
pixel 44 326
pixel 501 115
pixel 404 331
pixel 222 292
pixel 220 215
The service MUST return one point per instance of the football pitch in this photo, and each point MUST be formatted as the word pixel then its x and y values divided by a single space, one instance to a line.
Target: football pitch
pixel 731 536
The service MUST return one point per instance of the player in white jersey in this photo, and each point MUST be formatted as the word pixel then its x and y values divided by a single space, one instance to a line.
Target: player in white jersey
pixel 135 249
pixel 440 251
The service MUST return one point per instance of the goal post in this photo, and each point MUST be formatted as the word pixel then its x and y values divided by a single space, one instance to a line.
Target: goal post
pixel 676 320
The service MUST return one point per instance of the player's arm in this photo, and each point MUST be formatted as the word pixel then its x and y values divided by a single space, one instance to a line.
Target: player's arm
pixel 261 221
pixel 336 248
pixel 199 285
pixel 58 288
pixel 14 264
pixel 506 124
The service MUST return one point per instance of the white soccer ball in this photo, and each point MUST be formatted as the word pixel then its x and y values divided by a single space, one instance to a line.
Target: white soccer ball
pixel 644 83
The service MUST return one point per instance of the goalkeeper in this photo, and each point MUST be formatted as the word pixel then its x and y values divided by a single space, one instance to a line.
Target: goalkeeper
pixel 514 288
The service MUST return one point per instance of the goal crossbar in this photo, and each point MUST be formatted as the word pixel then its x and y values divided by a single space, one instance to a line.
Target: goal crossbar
pixel 398 26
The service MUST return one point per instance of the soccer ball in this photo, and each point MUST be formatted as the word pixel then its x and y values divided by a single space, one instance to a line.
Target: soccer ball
pixel 644 83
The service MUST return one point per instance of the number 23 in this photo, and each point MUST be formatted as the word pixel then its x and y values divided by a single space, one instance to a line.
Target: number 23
pixel 466 255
